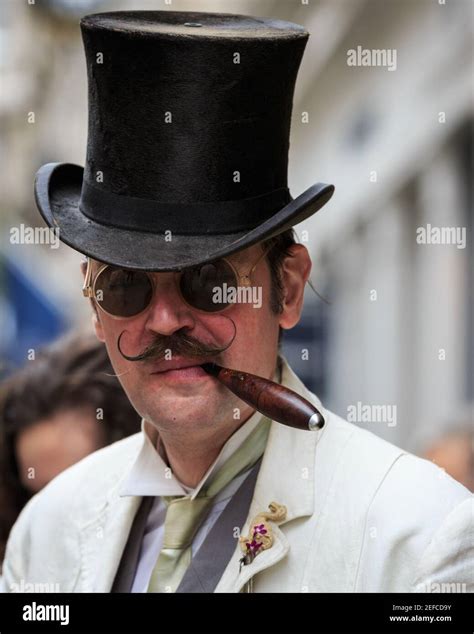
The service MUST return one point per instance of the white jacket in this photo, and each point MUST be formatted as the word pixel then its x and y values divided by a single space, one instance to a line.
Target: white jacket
pixel 363 516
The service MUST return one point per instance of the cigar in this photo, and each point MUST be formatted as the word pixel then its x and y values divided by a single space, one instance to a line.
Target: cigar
pixel 271 399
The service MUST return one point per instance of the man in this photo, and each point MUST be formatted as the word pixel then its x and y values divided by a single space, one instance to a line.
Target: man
pixel 184 194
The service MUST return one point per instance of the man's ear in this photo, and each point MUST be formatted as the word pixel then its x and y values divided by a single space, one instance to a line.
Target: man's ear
pixel 295 272
pixel 96 324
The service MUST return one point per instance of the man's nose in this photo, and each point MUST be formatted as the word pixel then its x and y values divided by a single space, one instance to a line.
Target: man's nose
pixel 168 312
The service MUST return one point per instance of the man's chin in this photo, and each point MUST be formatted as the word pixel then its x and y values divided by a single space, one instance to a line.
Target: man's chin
pixel 182 415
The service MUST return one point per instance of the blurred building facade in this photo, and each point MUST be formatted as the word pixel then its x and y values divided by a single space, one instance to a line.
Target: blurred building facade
pixel 396 143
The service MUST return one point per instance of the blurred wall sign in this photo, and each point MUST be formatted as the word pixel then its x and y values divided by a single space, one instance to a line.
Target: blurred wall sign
pixel 37 320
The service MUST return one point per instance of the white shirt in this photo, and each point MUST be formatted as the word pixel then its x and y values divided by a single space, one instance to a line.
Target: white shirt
pixel 150 475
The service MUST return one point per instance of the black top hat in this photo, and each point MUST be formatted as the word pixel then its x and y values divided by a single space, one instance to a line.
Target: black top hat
pixel 187 150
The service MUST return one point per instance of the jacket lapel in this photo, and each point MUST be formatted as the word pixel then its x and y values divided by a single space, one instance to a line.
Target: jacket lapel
pixel 103 540
pixel 287 477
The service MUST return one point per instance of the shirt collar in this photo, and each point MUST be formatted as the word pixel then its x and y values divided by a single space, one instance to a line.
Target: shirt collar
pixel 151 476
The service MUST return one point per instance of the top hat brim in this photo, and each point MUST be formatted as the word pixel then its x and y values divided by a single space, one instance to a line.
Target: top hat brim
pixel 58 192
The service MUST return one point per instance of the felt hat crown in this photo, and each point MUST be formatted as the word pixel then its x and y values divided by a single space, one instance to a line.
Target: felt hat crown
pixel 188 138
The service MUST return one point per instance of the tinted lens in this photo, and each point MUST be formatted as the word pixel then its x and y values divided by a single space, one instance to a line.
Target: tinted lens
pixel 123 293
pixel 205 287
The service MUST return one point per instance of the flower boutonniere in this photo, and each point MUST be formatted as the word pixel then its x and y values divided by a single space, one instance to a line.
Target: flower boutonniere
pixel 260 536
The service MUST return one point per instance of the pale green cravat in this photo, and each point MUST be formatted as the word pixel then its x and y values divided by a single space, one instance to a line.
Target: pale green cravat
pixel 184 515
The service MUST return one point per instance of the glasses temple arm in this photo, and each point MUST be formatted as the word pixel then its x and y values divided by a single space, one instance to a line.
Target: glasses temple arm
pixel 86 287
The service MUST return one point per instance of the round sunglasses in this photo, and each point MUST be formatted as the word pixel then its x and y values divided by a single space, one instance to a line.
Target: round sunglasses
pixel 124 293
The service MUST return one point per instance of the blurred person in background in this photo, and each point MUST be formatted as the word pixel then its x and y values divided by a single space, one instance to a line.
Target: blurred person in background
pixel 56 410
pixel 454 452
